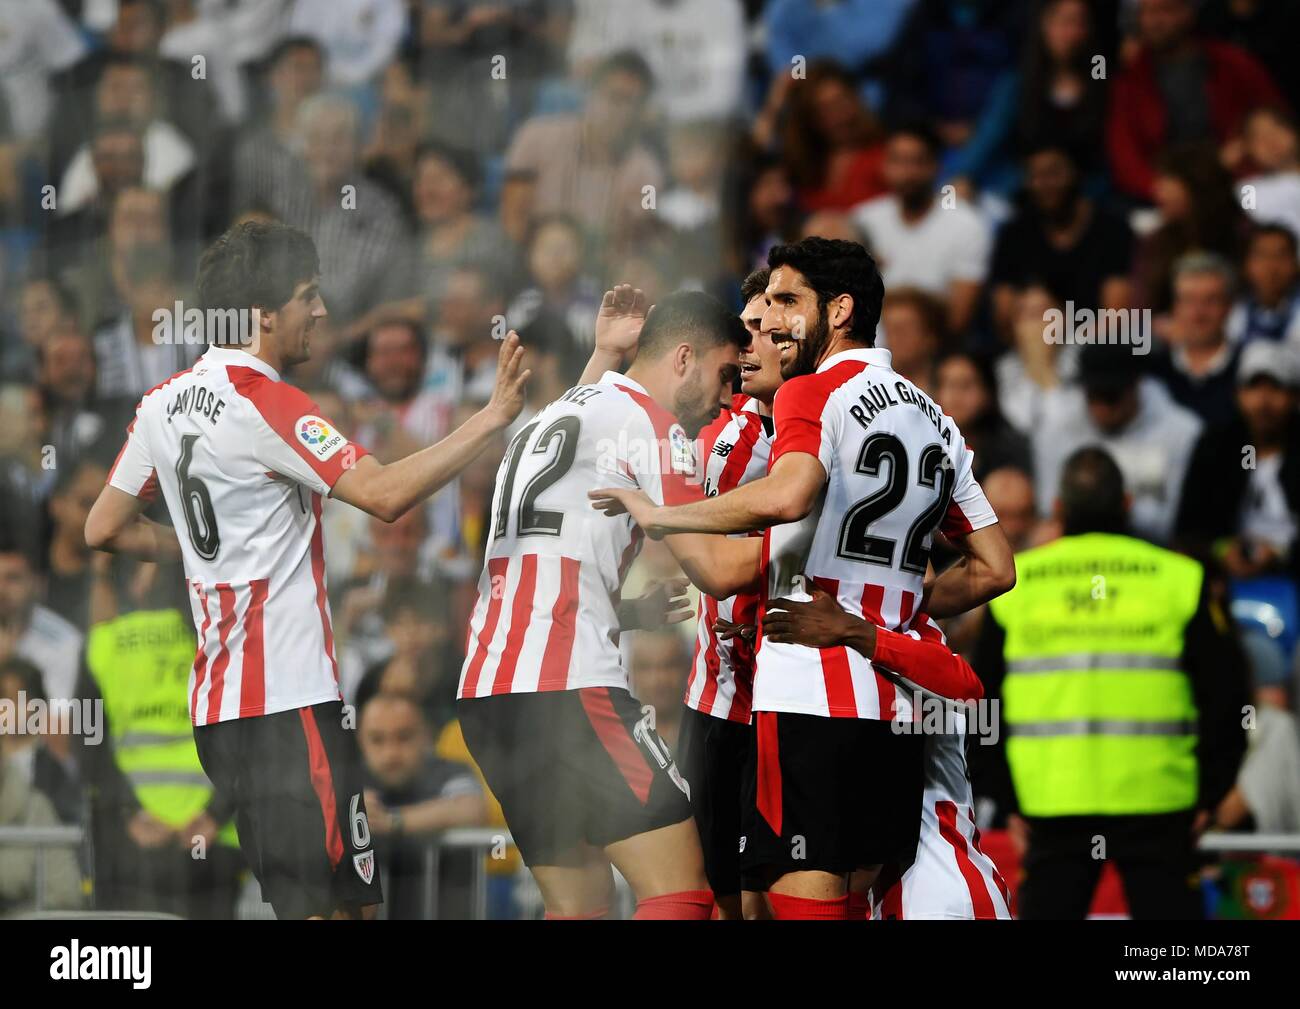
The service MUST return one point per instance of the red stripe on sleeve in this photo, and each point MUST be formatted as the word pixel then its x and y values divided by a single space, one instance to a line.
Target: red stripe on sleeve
pixel 281 405
pixel 559 642
pixel 322 782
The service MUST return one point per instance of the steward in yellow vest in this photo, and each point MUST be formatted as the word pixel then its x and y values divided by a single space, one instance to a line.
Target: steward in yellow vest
pixel 1122 690
pixel 164 839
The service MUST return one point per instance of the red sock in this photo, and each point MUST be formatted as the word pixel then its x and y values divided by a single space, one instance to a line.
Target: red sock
pixel 685 905
pixel 589 916
pixel 788 908
pixel 859 906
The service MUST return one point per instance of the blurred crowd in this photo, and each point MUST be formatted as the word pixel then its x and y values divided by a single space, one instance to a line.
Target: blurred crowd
pixel 1085 211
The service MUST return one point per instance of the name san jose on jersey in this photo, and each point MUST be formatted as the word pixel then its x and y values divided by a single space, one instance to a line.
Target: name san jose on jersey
pixel 242 460
pixel 734 450
pixel 896 470
pixel 547 611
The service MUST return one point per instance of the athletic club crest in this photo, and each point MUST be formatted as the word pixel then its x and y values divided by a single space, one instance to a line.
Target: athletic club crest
pixel 365 865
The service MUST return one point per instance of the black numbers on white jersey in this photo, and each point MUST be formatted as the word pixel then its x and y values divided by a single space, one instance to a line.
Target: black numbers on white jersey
pixel 856 541
pixel 530 519
pixel 200 516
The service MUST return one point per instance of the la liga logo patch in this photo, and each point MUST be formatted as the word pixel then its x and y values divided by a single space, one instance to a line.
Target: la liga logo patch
pixel 320 439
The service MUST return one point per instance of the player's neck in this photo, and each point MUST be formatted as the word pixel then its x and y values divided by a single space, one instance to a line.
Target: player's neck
pixel 264 353
pixel 654 380
pixel 837 344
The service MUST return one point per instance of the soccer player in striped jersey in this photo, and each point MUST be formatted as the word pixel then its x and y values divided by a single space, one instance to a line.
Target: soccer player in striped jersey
pixel 242 460
pixel 864 469
pixel 583 778
pixel 949 875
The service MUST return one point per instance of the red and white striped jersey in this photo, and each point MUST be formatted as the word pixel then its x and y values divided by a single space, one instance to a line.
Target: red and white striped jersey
pixel 734 450
pixel 951 876
pixel 896 469
pixel 547 610
pixel 243 459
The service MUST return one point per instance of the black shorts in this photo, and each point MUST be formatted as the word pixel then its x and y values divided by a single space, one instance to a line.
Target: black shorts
pixel 830 794
pixel 714 754
pixel 295 780
pixel 573 768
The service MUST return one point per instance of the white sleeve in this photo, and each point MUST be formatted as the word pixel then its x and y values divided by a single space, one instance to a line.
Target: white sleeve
pixel 969 509
pixel 133 472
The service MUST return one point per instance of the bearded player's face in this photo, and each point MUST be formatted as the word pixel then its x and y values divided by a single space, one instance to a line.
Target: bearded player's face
pixel 794 322
pixel 295 319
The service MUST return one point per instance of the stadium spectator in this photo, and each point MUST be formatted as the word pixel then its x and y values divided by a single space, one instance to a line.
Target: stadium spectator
pixel 1076 248
pixel 590 164
pixel 1010 491
pixel 1179 89
pixel 27 754
pixel 659 668
pixel 141 348
pixel 1269 306
pixel 1062 104
pixel 405 415
pixel 950 66
pixel 264 161
pixel 758 207
pixel 691 209
pixel 920 240
pixel 966 388
pixel 558 285
pixel 117 156
pixel 68 575
pixel 23 806
pixel 830 141
pixel 1242 495
pixel 360 36
pixel 462 352
pixel 1198 212
pixel 915 330
pixel 358 228
pixel 33 631
pixel 1272 145
pixel 1135 419
pixel 45 307
pixel 695 51
pixel 412 795
pixel 25 475
pixel 1200 363
pixel 40 40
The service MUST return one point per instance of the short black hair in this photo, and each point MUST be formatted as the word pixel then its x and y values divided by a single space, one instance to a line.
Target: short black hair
pixel 1092 493
pixel 1266 229
pixel 255 264
pixel 462 161
pixel 755 284
pixel 401 322
pixel 690 317
pixel 30 679
pixel 294 42
pixel 626 61
pixel 918 130
pixel 833 266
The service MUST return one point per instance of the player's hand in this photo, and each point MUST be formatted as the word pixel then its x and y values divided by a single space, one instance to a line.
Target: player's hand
pixel 508 393
pixel 665 603
pixel 619 321
pixel 819 623
pixel 1018 831
pixel 626 501
pixel 147 831
pixel 726 630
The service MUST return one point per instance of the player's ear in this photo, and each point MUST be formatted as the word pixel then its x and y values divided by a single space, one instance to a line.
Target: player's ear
pixel 841 310
pixel 682 358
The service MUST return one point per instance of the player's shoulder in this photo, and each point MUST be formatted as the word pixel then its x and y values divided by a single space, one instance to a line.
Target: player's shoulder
pixel 814 390
pixel 642 406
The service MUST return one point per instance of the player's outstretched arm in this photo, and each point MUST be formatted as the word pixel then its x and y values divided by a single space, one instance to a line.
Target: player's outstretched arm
pixel 389 491
pixel 618 326
pixel 786 494
pixel 115 525
pixel 823 623
pixel 987 569
pixel 719 566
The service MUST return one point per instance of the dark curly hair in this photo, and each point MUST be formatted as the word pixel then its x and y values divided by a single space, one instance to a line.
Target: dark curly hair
pixel 833 266
pixel 255 264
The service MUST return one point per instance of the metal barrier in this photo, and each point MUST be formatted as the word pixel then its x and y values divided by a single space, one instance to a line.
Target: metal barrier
pixel 485 839
pixel 41 838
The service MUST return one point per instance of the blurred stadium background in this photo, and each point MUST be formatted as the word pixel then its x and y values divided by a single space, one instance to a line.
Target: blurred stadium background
pixel 461 163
